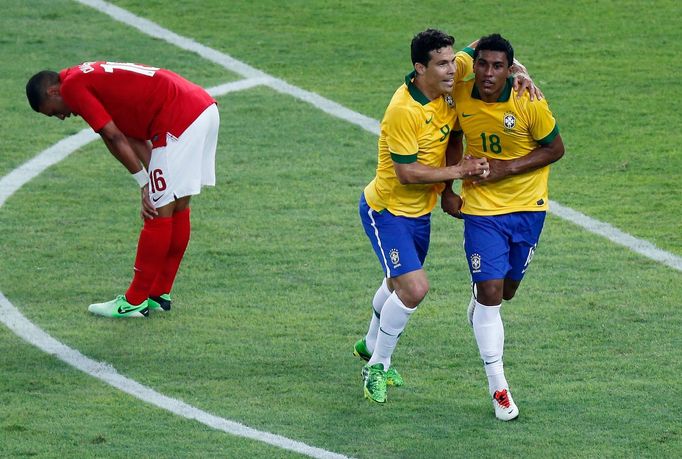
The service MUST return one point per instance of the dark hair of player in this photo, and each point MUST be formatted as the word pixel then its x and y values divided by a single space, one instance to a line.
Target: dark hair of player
pixel 425 42
pixel 495 42
pixel 36 88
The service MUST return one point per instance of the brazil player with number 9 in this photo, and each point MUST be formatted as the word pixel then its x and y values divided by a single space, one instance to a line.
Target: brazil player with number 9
pixel 395 207
pixel 163 129
pixel 504 211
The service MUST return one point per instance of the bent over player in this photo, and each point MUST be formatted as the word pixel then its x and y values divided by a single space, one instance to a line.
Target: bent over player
pixel 164 130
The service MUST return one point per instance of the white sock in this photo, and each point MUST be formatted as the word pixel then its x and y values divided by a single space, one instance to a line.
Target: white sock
pixel 394 317
pixel 489 333
pixel 380 298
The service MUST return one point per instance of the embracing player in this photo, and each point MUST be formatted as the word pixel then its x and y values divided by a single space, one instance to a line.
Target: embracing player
pixel 504 212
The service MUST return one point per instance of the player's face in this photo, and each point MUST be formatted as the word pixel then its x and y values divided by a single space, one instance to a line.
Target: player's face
pixel 438 76
pixel 491 70
pixel 55 106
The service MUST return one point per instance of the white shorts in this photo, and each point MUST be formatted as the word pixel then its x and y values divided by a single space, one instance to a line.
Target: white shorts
pixel 185 164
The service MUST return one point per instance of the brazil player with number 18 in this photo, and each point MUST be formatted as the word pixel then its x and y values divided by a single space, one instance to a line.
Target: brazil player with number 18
pixel 503 212
pixel 163 129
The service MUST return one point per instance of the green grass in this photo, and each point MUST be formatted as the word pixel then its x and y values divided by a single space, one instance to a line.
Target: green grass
pixel 276 284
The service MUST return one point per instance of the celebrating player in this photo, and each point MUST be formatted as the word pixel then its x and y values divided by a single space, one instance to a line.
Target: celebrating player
pixel 503 212
pixel 164 130
pixel 395 207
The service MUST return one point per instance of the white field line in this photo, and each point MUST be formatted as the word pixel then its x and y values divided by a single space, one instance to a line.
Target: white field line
pixel 154 30
pixel 25 329
pixel 22 327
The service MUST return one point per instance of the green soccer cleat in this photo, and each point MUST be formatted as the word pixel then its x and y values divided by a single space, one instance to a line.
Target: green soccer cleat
pixel 360 350
pixel 393 378
pixel 119 308
pixel 374 380
pixel 159 303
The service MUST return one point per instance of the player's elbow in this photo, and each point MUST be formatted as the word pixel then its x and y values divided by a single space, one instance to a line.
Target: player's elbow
pixel 557 149
pixel 112 134
pixel 404 179
pixel 558 154
pixel 405 174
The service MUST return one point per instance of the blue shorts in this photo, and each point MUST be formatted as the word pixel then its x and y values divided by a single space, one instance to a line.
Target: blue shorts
pixel 501 246
pixel 401 243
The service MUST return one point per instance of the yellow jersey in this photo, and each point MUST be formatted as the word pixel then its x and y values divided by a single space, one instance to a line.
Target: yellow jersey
pixel 413 128
pixel 506 129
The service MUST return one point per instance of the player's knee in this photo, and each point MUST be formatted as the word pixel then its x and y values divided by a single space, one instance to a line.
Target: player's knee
pixel 416 292
pixel 509 290
pixel 489 293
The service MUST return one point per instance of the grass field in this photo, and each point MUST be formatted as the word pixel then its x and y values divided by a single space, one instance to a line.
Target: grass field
pixel 278 278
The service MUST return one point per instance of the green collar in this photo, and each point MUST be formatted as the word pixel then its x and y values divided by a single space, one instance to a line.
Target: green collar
pixel 416 94
pixel 504 95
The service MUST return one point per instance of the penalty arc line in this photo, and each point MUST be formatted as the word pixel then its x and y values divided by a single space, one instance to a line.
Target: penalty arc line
pixel 31 333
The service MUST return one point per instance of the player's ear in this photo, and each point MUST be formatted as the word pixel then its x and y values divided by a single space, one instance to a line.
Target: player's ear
pixel 419 68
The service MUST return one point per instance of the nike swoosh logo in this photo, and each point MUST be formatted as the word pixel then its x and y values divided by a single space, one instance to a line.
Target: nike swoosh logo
pixel 126 309
pixel 429 120
pixel 467 115
pixel 156 199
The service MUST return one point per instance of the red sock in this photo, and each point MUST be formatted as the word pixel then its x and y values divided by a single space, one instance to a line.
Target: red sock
pixel 180 239
pixel 152 248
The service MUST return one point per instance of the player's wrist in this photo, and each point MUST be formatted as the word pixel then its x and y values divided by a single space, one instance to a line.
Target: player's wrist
pixel 141 177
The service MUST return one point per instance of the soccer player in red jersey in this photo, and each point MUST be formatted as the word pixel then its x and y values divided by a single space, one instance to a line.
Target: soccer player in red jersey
pixel 164 130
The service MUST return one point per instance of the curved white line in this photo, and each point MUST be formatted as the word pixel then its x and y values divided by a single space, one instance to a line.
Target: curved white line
pixel 22 327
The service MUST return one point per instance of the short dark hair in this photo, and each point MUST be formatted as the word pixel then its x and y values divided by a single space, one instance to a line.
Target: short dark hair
pixel 425 42
pixel 36 88
pixel 495 42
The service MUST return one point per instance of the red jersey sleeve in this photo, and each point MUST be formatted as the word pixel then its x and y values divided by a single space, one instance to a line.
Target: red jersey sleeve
pixel 82 101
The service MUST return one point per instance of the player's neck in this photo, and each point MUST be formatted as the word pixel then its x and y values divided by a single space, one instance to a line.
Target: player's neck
pixel 430 92
pixel 490 97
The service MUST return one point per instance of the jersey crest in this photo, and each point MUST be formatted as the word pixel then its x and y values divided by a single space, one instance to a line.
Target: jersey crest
pixel 509 121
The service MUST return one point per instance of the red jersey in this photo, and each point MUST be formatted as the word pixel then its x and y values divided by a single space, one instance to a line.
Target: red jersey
pixel 144 102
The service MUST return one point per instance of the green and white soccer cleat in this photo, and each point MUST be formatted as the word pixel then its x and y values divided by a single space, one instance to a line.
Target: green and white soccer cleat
pixel 360 350
pixel 374 381
pixel 159 303
pixel 119 308
pixel 393 378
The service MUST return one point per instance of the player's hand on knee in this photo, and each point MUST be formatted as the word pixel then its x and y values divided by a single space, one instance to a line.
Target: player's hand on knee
pixel 148 211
